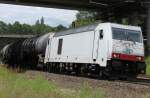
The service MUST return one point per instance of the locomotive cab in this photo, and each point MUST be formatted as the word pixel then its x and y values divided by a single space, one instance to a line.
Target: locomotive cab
pixel 127 50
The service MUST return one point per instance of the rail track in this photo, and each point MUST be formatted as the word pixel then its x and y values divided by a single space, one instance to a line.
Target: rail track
pixel 141 80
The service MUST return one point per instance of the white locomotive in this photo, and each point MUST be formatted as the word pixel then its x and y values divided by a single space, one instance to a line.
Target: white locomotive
pixel 101 48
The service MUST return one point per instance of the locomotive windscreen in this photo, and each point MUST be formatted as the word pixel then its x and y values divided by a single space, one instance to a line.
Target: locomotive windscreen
pixel 127 35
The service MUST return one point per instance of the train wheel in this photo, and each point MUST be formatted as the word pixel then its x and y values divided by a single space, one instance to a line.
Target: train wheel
pixel 100 76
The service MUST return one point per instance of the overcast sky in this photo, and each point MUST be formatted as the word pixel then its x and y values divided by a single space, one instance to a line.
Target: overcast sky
pixel 29 15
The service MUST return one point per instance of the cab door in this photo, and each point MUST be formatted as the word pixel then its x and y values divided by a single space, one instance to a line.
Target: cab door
pixel 102 47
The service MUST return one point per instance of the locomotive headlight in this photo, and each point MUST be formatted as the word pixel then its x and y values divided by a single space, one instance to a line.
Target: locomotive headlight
pixel 115 55
pixel 139 58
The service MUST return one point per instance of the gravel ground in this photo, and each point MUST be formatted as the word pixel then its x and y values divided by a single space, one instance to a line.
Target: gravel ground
pixel 112 89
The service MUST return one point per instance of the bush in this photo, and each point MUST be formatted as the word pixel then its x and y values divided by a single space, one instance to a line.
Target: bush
pixel 148 66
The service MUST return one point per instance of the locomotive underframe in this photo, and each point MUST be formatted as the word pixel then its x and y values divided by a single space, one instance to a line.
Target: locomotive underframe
pixel 114 68
pixel 128 68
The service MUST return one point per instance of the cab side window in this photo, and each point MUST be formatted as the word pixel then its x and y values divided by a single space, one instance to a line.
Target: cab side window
pixel 101 34
pixel 60 43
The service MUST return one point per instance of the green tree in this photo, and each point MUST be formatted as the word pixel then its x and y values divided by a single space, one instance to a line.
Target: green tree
pixel 60 28
pixel 84 18
pixel 3 27
pixel 27 29
pixel 42 21
pixel 38 28
pixel 17 28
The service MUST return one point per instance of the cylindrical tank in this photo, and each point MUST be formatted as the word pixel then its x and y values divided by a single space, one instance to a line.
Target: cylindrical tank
pixel 42 42
pixel 28 45
pixel 4 53
pixel 36 44
pixel 25 52
pixel 33 48
pixel 11 53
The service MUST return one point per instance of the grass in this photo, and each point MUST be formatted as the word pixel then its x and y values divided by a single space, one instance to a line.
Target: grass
pixel 148 66
pixel 14 85
pixel 87 92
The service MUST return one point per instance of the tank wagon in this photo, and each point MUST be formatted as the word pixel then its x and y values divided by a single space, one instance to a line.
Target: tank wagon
pixel 25 53
pixel 103 49
pixel 33 51
pixel 10 54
